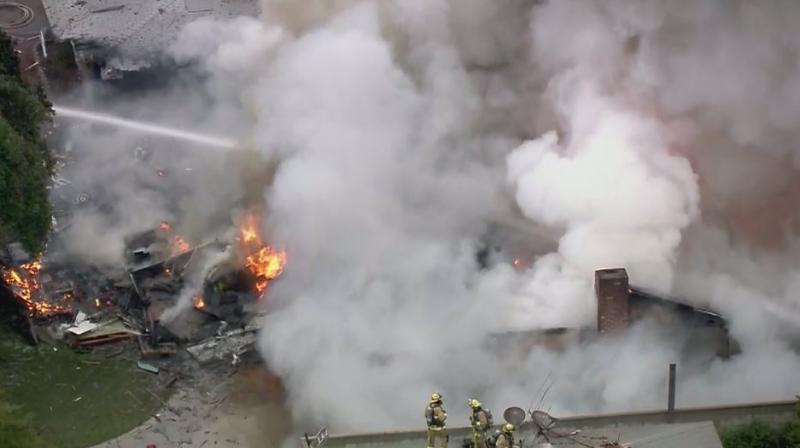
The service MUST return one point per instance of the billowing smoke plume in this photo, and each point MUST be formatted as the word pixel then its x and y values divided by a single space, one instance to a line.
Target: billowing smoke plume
pixel 402 127
pixel 571 135
pixel 615 189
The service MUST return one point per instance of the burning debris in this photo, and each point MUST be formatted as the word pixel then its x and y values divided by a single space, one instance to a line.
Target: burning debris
pixel 89 309
pixel 177 244
pixel 263 261
pixel 25 285
pixel 155 245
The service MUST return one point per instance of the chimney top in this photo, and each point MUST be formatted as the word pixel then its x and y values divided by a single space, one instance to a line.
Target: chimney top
pixel 612 274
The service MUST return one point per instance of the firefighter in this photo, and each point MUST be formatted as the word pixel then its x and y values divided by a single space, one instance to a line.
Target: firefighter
pixel 506 438
pixel 435 415
pixel 481 421
pixel 491 441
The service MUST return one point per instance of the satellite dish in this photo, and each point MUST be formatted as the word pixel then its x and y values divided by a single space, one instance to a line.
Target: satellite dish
pixel 82 198
pixel 514 415
pixel 543 421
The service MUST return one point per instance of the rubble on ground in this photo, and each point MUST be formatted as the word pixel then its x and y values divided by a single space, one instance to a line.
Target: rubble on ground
pixel 87 309
pixel 229 345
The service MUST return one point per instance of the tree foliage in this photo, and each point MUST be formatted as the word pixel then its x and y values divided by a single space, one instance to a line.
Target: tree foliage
pixel 21 108
pixel 759 434
pixel 25 162
pixel 9 64
pixel 754 435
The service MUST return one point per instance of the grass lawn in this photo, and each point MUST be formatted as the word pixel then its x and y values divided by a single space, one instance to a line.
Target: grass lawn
pixel 74 400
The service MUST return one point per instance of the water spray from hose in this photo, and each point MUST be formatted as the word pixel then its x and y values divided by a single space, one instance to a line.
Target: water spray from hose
pixel 147 128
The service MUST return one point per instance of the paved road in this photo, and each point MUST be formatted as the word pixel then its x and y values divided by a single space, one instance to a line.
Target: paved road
pixel 25 35
pixel 10 13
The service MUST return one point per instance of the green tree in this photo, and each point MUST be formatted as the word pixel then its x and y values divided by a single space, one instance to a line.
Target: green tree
pixel 25 162
pixel 9 63
pixel 22 108
pixel 758 434
pixel 792 434
pixel 754 435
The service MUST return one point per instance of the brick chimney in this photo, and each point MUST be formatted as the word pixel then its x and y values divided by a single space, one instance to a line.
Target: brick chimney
pixel 613 300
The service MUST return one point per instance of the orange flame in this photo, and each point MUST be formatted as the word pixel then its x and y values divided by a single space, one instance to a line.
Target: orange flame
pixel 27 289
pixel 180 246
pixel 264 262
pixel 249 235
pixel 199 303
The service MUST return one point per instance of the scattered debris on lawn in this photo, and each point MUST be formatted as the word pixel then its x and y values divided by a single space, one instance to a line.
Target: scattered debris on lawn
pixel 140 311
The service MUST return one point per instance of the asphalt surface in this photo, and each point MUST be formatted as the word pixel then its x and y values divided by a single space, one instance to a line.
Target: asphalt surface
pixel 9 13
pixel 24 33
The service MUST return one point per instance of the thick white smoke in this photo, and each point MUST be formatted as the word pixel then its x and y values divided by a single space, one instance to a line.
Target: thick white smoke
pixel 621 197
pixel 409 132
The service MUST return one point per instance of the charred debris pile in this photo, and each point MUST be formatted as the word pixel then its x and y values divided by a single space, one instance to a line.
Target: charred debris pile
pixel 173 302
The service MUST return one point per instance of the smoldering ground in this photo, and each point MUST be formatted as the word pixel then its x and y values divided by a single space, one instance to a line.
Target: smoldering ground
pixel 593 135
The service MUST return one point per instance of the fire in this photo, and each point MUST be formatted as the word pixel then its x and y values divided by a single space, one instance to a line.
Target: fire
pixel 249 235
pixel 101 302
pixel 24 283
pixel 264 262
pixel 199 303
pixel 180 246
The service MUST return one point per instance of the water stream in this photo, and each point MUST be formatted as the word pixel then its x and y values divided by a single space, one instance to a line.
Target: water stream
pixel 147 128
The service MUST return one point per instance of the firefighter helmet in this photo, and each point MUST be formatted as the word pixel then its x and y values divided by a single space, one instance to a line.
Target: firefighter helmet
pixel 508 428
pixel 474 404
pixel 436 397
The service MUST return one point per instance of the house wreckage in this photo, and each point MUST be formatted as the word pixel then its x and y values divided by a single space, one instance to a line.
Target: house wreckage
pixel 170 296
